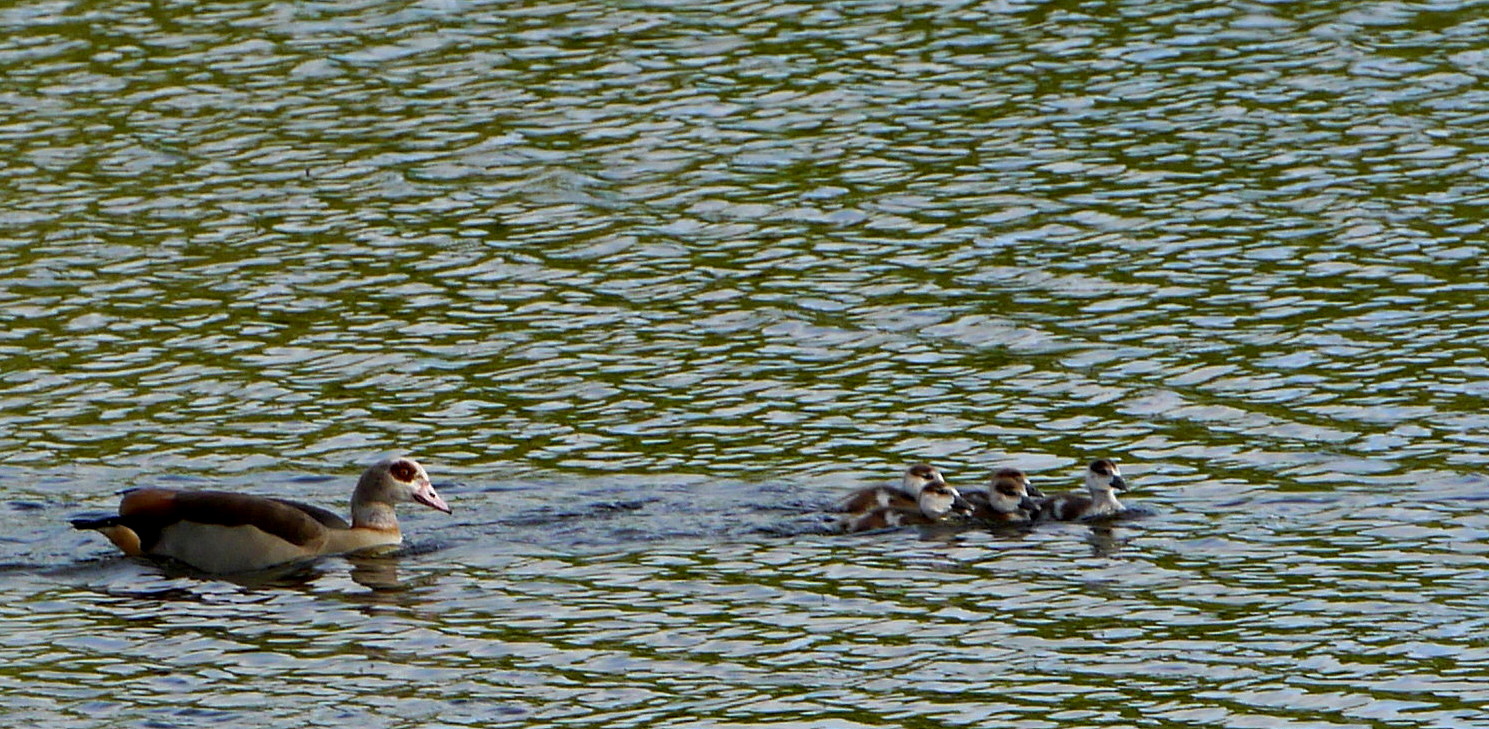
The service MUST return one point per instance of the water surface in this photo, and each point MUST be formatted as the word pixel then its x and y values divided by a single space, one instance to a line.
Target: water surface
pixel 647 285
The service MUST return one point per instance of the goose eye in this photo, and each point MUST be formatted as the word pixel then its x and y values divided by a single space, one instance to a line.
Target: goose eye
pixel 402 470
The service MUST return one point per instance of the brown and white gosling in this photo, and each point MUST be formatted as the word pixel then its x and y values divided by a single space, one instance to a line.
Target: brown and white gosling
pixel 1007 500
pixel 937 502
pixel 1103 480
pixel 904 496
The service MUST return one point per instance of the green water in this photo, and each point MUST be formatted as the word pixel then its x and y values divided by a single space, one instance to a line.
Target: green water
pixel 646 285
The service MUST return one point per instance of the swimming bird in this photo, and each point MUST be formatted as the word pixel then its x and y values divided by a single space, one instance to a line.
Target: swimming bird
pixel 1103 480
pixel 220 531
pixel 1006 500
pixel 905 496
pixel 936 502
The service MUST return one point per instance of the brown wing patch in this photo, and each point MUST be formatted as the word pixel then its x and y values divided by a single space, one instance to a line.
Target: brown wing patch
pixel 148 511
pixel 229 509
pixel 1070 506
pixel 876 497
pixel 148 504
pixel 326 517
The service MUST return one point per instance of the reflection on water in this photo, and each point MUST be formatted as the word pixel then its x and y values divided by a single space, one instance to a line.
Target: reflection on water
pixel 649 285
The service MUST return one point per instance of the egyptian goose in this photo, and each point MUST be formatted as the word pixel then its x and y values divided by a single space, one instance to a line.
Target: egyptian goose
pixel 1103 480
pixel 905 496
pixel 1006 500
pixel 936 502
pixel 219 531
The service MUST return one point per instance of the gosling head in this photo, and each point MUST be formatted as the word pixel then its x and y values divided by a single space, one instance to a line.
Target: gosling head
pixel 938 500
pixel 1102 476
pixel 1009 491
pixel 920 475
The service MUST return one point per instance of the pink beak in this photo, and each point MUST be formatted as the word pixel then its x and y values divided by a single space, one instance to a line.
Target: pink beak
pixel 424 493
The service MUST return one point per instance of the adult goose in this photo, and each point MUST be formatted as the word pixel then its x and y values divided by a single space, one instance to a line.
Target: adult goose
pixel 220 531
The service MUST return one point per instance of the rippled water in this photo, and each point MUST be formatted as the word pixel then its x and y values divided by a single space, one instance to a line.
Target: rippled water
pixel 647 284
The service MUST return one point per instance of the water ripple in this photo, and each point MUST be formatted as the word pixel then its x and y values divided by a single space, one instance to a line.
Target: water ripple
pixel 722 265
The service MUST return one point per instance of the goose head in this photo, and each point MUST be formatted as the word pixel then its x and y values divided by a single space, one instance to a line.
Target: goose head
pixel 388 482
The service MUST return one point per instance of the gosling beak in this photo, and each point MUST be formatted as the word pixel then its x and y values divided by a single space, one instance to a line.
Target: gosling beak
pixel 424 493
pixel 1028 505
pixel 1033 492
pixel 960 507
pixel 1118 483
